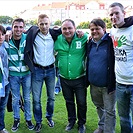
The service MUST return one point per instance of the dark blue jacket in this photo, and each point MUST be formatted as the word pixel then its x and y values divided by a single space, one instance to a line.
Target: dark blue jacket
pixel 31 35
pixel 111 62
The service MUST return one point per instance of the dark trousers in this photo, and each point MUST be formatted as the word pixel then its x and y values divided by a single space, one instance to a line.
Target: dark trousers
pixel 75 90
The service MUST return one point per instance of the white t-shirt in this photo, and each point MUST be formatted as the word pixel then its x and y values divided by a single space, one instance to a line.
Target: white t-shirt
pixel 123 47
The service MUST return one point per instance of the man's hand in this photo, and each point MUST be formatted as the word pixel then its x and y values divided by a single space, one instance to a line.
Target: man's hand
pixel 56 27
pixel 8 35
pixel 79 33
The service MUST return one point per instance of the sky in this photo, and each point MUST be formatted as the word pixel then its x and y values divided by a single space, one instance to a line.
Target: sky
pixel 13 7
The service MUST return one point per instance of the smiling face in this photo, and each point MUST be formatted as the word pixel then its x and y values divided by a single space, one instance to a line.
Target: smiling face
pixel 17 29
pixel 116 15
pixel 68 30
pixel 97 32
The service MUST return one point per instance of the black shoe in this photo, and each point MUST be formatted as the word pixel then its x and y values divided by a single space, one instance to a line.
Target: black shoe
pixel 38 127
pixel 81 129
pixel 69 126
pixel 50 123
pixel 29 125
pixel 15 125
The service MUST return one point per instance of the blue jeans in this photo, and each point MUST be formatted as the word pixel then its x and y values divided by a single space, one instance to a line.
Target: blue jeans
pixel 75 89
pixel 16 82
pixel 125 106
pixel 105 104
pixel 3 102
pixel 38 77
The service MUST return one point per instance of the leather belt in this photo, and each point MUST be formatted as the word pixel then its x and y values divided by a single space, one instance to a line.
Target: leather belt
pixel 44 67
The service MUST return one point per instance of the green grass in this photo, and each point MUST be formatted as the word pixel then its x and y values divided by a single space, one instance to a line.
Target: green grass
pixel 60 117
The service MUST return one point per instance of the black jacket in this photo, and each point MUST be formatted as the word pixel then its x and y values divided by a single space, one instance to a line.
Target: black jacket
pixel 111 62
pixel 31 35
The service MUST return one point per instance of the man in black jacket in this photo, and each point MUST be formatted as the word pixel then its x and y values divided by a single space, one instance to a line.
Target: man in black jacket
pixel 39 56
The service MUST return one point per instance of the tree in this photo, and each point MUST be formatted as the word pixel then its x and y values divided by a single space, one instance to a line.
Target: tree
pixel 31 22
pixel 5 20
pixel 83 25
pixel 108 23
pixel 58 22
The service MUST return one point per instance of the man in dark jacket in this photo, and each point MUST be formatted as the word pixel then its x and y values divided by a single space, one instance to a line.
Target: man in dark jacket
pixel 39 56
pixel 101 75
